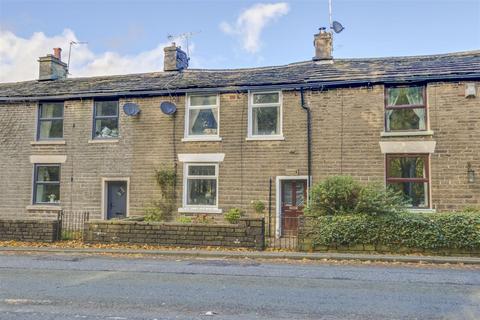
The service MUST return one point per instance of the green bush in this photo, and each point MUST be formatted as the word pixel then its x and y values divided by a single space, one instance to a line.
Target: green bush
pixel 233 215
pixel 154 213
pixel 184 219
pixel 411 230
pixel 339 195
pixel 376 200
pixel 258 206
pixel 335 195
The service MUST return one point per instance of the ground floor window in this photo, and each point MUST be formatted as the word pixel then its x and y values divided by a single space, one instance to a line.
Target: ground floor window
pixel 409 174
pixel 200 187
pixel 46 186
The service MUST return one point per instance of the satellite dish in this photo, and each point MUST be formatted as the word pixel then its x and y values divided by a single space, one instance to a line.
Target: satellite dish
pixel 337 27
pixel 168 108
pixel 131 109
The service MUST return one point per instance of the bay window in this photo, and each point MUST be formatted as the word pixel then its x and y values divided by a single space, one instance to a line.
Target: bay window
pixel 409 175
pixel 405 109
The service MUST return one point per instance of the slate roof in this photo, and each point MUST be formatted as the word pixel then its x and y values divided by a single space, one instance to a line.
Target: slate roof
pixel 453 66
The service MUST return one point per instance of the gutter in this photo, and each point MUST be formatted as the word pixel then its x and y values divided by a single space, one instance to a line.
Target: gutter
pixel 234 89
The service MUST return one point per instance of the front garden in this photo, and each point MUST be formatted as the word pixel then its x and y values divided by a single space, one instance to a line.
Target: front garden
pixel 345 215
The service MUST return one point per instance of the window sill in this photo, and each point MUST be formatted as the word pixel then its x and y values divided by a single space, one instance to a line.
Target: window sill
pixel 201 139
pixel 407 133
pixel 47 142
pixel 265 138
pixel 199 210
pixel 103 141
pixel 44 207
pixel 426 210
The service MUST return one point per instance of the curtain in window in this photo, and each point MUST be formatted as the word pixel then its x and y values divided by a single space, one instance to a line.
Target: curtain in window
pixel 415 96
pixel 393 95
pixel 45 128
pixel 193 118
pixel 389 114
pixel 421 116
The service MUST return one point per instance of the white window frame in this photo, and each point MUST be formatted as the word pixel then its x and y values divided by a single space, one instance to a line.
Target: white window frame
pixel 251 105
pixel 188 107
pixel 203 208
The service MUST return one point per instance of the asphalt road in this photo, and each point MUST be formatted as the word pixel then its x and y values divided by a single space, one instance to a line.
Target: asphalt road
pixel 115 288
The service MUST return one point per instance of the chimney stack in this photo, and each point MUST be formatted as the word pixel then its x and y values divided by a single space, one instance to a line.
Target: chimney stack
pixel 175 59
pixel 51 66
pixel 323 45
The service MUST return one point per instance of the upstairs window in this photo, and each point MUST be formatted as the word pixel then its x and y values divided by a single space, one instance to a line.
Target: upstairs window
pixel 265 114
pixel 202 116
pixel 50 121
pixel 46 186
pixel 409 174
pixel 405 109
pixel 105 119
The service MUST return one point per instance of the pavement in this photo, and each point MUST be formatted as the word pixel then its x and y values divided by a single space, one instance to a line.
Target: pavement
pixel 54 286
pixel 192 253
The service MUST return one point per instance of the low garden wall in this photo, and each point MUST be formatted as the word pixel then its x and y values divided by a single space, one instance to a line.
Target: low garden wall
pixel 248 233
pixel 437 233
pixel 29 230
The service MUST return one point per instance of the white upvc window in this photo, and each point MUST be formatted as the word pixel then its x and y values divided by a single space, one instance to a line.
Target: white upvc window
pixel 200 188
pixel 265 115
pixel 202 117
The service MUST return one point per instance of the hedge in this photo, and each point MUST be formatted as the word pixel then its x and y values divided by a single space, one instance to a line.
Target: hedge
pixel 430 231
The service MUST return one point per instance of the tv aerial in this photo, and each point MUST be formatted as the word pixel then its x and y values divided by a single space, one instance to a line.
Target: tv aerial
pixel 70 51
pixel 186 36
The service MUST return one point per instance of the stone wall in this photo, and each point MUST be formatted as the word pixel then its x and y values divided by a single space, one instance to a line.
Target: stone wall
pixel 29 230
pixel 248 233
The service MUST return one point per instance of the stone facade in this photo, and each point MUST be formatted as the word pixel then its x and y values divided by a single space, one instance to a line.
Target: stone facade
pixel 29 230
pixel 248 233
pixel 346 130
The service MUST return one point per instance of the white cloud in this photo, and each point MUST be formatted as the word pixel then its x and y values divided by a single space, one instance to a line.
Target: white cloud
pixel 252 21
pixel 18 57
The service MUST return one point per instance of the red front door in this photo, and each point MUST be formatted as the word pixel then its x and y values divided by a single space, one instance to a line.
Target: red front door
pixel 294 195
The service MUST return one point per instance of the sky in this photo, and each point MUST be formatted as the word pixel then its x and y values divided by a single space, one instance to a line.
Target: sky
pixel 129 36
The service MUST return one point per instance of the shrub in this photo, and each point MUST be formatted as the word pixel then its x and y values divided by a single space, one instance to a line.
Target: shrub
pixel 233 215
pixel 258 206
pixel 471 209
pixel 343 195
pixel 184 219
pixel 154 213
pixel 411 230
pixel 335 195
pixel 375 199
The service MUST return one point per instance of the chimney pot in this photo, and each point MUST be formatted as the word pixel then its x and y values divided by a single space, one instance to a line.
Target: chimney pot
pixel 57 53
pixel 323 45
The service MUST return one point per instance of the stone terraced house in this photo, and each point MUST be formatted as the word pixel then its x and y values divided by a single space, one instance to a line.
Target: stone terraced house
pixel 412 123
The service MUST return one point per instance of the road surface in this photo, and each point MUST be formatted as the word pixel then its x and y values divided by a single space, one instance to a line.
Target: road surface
pixel 41 286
